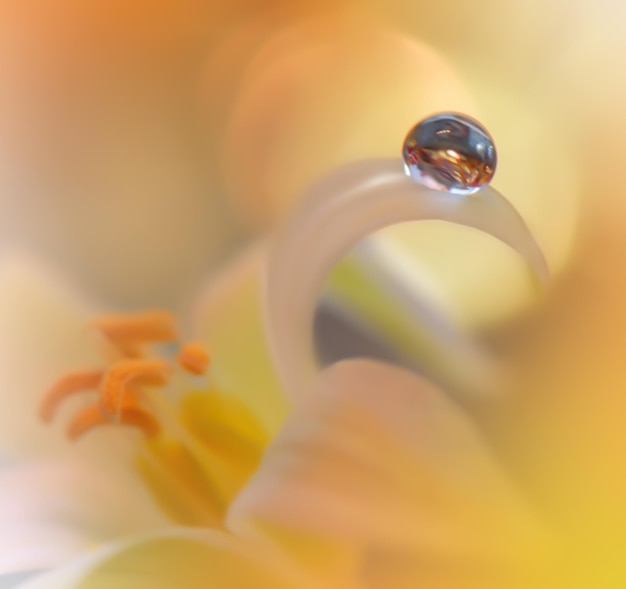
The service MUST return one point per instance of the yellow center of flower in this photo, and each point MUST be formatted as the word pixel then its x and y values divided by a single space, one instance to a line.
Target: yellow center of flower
pixel 199 448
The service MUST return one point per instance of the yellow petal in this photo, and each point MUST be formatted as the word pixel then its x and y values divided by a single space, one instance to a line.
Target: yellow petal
pixel 378 458
pixel 229 318
pixel 561 427
pixel 230 434
pixel 194 477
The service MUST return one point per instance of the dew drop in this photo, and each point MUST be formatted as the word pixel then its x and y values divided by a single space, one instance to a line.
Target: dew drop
pixel 450 152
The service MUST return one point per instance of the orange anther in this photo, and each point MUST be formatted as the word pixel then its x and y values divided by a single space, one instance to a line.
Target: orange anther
pixel 194 358
pixel 129 332
pixel 114 384
pixel 130 414
pixel 66 386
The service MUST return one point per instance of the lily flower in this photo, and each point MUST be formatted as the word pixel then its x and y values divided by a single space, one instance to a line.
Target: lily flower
pixel 165 477
pixel 87 354
pixel 376 479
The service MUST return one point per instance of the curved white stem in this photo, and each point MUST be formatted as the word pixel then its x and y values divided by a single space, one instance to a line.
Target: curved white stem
pixel 342 209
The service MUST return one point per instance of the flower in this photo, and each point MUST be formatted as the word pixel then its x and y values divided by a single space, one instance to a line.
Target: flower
pixel 40 314
pixel 397 509
pixel 379 480
pixel 355 480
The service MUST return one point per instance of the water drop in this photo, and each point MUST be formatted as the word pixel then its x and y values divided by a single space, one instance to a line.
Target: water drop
pixel 450 152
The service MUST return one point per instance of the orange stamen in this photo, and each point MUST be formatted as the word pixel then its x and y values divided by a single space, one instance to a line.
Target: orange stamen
pixel 113 386
pixel 121 384
pixel 129 332
pixel 129 414
pixel 68 385
pixel 194 358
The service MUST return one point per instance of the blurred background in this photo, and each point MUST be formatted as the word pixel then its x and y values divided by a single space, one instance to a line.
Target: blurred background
pixel 142 142
pixel 145 143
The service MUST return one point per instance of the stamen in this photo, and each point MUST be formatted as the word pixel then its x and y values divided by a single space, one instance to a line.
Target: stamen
pixel 129 414
pixel 129 332
pixel 68 385
pixel 194 358
pixel 121 384
pixel 194 474
pixel 113 386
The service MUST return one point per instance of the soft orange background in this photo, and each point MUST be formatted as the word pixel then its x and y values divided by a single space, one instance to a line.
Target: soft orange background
pixel 140 142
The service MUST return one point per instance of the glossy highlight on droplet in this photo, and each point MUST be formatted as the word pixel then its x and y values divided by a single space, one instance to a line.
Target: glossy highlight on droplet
pixel 450 152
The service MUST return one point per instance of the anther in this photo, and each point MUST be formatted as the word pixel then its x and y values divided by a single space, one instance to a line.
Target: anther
pixel 129 414
pixel 66 386
pixel 129 332
pixel 114 384
pixel 194 358
pixel 122 383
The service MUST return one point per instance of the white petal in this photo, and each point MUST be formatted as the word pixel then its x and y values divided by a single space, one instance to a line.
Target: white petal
pixel 43 334
pixel 52 511
pixel 378 459
pixel 173 560
pixel 339 211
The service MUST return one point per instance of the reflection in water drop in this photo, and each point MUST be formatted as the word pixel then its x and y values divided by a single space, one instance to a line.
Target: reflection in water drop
pixel 450 152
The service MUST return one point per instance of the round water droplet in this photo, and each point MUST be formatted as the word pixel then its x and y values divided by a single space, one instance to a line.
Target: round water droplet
pixel 451 152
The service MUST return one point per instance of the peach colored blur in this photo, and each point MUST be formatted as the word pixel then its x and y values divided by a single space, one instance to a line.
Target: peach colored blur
pixel 141 142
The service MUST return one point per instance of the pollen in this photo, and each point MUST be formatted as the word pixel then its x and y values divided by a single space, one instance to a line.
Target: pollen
pixel 118 388
pixel 194 358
